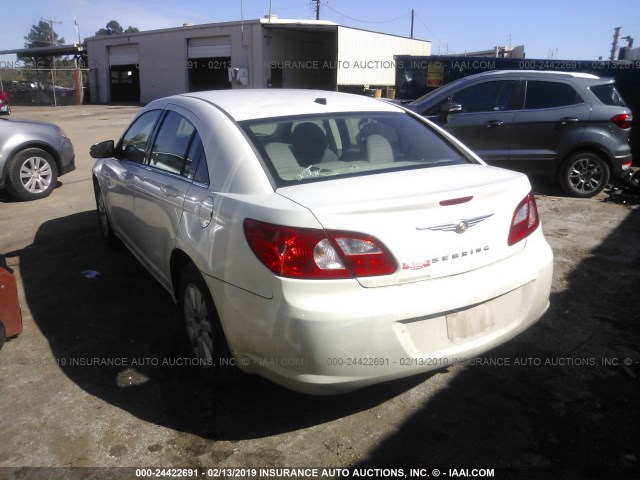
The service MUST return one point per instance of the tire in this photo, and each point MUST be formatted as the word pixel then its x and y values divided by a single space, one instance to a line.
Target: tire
pixel 207 343
pixel 584 175
pixel 104 223
pixel 32 174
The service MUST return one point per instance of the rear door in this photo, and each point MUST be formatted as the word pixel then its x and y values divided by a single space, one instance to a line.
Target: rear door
pixel 487 112
pixel 554 116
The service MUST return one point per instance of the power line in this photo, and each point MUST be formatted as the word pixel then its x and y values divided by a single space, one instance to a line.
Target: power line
pixel 429 30
pixel 366 21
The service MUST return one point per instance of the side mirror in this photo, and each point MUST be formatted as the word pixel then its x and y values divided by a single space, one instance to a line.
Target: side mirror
pixel 449 109
pixel 102 149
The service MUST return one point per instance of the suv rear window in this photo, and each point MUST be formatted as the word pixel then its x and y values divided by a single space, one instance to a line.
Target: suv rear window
pixel 541 94
pixel 608 94
pixel 322 147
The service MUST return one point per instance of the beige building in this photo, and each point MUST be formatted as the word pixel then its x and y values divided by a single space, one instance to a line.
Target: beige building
pixel 268 52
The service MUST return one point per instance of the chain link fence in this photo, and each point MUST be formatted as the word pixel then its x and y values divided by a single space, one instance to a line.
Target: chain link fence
pixel 27 85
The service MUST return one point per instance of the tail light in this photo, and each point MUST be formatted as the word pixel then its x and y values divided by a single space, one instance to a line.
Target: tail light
pixel 524 221
pixel 308 253
pixel 623 120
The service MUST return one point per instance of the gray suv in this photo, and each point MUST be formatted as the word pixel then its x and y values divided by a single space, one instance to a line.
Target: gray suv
pixel 573 127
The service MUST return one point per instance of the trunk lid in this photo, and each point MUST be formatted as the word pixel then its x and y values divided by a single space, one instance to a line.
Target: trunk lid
pixel 436 222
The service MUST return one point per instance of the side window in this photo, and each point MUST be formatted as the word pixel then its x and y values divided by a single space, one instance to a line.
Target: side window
pixel 542 94
pixel 171 143
pixel 133 144
pixel 485 97
pixel 196 163
pixel 608 94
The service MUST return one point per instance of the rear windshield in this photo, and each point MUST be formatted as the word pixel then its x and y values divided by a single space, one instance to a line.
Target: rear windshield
pixel 322 147
pixel 608 94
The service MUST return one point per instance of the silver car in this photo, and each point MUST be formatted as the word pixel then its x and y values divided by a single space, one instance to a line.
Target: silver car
pixel 32 157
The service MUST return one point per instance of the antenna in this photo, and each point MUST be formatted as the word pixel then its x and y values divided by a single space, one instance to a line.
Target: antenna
pixel 75 20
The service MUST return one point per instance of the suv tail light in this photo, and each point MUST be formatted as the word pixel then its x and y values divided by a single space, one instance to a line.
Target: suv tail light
pixel 524 221
pixel 309 253
pixel 623 120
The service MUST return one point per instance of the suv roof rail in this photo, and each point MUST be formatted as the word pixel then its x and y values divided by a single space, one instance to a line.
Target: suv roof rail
pixel 543 72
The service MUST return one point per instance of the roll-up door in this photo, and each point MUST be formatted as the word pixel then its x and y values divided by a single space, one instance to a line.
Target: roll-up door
pixel 209 47
pixel 123 54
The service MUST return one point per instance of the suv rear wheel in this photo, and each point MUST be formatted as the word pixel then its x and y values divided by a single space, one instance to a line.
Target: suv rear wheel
pixel 584 175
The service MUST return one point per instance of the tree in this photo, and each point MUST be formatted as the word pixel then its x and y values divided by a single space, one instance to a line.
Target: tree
pixel 114 28
pixel 40 35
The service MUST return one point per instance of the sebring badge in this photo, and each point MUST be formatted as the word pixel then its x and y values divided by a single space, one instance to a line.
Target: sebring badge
pixel 459 227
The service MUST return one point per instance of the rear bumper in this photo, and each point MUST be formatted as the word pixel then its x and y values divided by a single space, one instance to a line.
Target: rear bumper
pixel 624 162
pixel 333 337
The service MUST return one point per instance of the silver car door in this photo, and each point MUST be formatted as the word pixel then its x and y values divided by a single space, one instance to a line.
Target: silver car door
pixel 118 173
pixel 160 186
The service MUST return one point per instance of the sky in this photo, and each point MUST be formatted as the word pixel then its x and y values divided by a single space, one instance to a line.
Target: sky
pixel 557 29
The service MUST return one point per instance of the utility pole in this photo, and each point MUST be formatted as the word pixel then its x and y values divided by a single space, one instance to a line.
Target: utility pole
pixel 53 70
pixel 51 22
pixel 317 9
pixel 413 12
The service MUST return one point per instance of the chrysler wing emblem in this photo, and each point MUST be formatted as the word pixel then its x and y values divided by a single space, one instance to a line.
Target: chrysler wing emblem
pixel 460 226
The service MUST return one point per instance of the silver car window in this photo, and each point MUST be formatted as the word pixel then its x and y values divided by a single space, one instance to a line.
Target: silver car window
pixel 170 146
pixel 133 144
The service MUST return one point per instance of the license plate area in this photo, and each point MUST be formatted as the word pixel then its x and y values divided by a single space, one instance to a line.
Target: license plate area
pixel 469 323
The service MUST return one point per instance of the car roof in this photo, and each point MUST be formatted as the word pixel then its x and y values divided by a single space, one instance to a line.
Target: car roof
pixel 247 104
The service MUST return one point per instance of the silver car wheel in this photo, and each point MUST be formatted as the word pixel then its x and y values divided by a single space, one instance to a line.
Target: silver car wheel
pixel 32 173
pixel 36 175
pixel 585 175
pixel 198 323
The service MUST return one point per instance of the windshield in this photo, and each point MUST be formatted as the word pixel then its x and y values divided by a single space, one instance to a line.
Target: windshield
pixel 319 147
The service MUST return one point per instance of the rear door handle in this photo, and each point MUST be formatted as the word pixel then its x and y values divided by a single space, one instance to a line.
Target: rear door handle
pixel 568 120
pixel 169 191
pixel 493 123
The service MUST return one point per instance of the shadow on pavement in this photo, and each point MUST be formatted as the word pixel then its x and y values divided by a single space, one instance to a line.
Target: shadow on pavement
pixel 565 405
pixel 125 314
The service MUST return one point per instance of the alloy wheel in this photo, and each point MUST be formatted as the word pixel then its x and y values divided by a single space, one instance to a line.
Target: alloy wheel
pixel 36 175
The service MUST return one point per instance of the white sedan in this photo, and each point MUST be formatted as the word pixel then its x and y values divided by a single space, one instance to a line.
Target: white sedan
pixel 322 240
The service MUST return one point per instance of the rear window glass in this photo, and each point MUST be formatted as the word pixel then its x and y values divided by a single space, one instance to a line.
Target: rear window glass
pixel 608 94
pixel 314 148
pixel 541 94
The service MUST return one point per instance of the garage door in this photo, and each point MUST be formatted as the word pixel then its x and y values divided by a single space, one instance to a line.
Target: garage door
pixel 123 54
pixel 209 47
